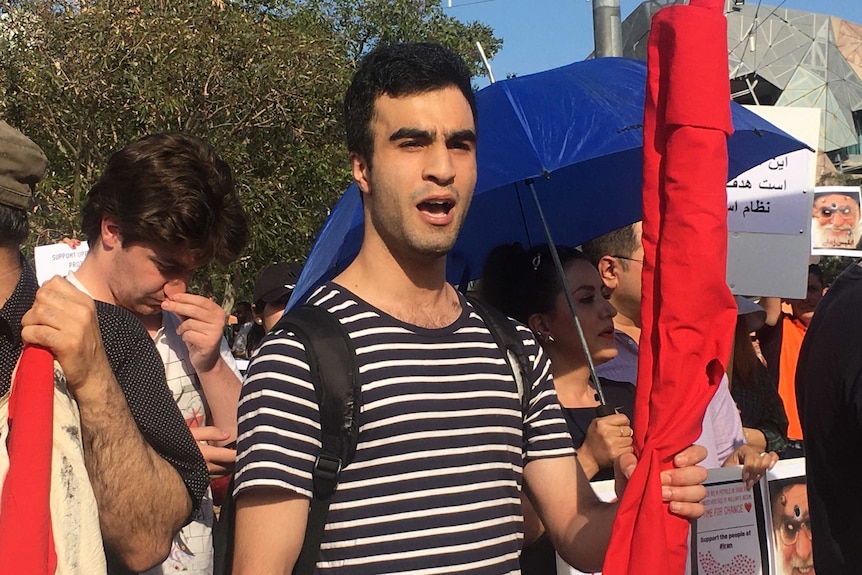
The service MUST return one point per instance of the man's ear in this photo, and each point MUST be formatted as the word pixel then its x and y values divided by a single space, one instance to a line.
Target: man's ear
pixel 609 269
pixel 109 235
pixel 361 172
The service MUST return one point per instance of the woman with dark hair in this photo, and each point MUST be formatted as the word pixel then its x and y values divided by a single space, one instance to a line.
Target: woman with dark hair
pixel 764 421
pixel 525 285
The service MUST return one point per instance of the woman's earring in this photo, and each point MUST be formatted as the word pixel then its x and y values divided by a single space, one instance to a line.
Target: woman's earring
pixel 551 338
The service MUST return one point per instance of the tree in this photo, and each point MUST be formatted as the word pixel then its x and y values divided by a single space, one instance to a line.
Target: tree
pixel 832 267
pixel 362 24
pixel 263 82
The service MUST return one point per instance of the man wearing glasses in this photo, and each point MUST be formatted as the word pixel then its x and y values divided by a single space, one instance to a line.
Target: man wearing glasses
pixel 792 527
pixel 836 219
pixel 619 255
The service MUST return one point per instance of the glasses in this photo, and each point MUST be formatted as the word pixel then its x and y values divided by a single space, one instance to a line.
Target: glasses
pixel 790 528
pixel 843 212
pixel 641 262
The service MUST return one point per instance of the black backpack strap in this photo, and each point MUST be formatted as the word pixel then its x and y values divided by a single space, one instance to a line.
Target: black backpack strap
pixel 332 366
pixel 223 535
pixel 511 344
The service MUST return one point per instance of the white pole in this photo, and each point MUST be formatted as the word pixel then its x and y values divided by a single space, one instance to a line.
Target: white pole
pixel 485 62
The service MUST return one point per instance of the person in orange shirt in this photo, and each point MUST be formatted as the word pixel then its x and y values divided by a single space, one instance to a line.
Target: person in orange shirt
pixel 780 341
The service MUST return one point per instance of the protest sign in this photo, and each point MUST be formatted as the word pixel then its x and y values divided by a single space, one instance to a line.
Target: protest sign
pixel 787 519
pixel 836 225
pixel 729 537
pixel 58 260
pixel 770 241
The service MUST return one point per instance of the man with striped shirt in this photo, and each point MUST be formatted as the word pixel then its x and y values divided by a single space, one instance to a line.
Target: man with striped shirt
pixel 444 449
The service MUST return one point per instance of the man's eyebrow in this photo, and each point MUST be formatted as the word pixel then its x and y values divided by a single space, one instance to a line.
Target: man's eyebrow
pixel 408 133
pixel 465 135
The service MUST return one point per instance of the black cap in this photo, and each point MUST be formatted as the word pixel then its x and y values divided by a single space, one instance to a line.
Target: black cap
pixel 752 315
pixel 275 282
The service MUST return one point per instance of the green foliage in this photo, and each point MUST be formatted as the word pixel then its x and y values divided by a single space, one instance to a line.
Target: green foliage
pixel 364 23
pixel 263 82
pixel 832 266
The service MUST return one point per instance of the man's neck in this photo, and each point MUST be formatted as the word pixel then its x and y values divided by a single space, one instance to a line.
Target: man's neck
pixel 414 292
pixel 92 273
pixel 152 322
pixel 628 326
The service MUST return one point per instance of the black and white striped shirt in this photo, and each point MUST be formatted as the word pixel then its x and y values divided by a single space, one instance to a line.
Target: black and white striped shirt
pixel 434 486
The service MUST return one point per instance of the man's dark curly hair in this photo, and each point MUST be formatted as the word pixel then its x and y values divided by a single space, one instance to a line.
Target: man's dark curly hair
pixel 399 70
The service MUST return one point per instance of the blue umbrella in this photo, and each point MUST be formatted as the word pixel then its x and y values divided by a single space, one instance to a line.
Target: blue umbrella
pixel 573 137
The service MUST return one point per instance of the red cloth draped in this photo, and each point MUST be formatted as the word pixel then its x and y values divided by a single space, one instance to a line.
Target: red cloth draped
pixel 26 540
pixel 687 312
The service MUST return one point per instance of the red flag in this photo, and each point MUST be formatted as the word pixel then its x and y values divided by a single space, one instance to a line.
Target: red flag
pixel 687 311
pixel 26 540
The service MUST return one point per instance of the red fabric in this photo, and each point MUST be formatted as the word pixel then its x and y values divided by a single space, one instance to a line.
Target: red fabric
pixel 687 311
pixel 219 489
pixel 26 543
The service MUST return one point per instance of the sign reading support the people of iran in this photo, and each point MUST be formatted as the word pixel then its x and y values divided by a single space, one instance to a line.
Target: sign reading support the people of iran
pixel 744 532
pixel 727 539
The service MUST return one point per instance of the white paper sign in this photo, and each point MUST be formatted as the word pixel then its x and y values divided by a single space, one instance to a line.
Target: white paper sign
pixel 763 262
pixel 58 260
pixel 771 198
pixel 727 539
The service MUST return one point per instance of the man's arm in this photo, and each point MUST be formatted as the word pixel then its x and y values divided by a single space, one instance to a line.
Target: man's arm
pixel 580 526
pixel 142 500
pixel 270 528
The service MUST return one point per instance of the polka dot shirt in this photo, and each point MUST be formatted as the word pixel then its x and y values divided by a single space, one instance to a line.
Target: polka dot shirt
pixel 137 368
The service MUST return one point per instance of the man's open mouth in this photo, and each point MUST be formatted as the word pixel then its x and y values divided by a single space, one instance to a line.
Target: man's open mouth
pixel 438 207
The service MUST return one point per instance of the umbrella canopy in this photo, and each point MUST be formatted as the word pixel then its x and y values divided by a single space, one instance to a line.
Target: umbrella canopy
pixel 577 131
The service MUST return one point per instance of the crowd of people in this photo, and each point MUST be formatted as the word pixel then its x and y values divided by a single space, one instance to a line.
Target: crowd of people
pixel 451 472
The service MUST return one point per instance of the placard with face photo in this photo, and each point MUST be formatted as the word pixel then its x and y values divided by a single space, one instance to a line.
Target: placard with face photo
pixel 788 521
pixel 836 221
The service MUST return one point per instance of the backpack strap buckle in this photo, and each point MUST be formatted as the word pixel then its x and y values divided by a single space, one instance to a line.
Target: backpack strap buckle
pixel 325 475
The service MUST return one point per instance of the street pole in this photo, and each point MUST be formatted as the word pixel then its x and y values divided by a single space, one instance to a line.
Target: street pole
pixel 607 32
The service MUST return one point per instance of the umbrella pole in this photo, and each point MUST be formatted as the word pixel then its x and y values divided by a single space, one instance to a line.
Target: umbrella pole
pixel 603 409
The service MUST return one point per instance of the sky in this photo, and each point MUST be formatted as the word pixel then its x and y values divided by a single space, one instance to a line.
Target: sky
pixel 543 34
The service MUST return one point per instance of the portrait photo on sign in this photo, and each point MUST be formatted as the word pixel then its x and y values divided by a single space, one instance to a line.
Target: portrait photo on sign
pixel 836 225
pixel 790 519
